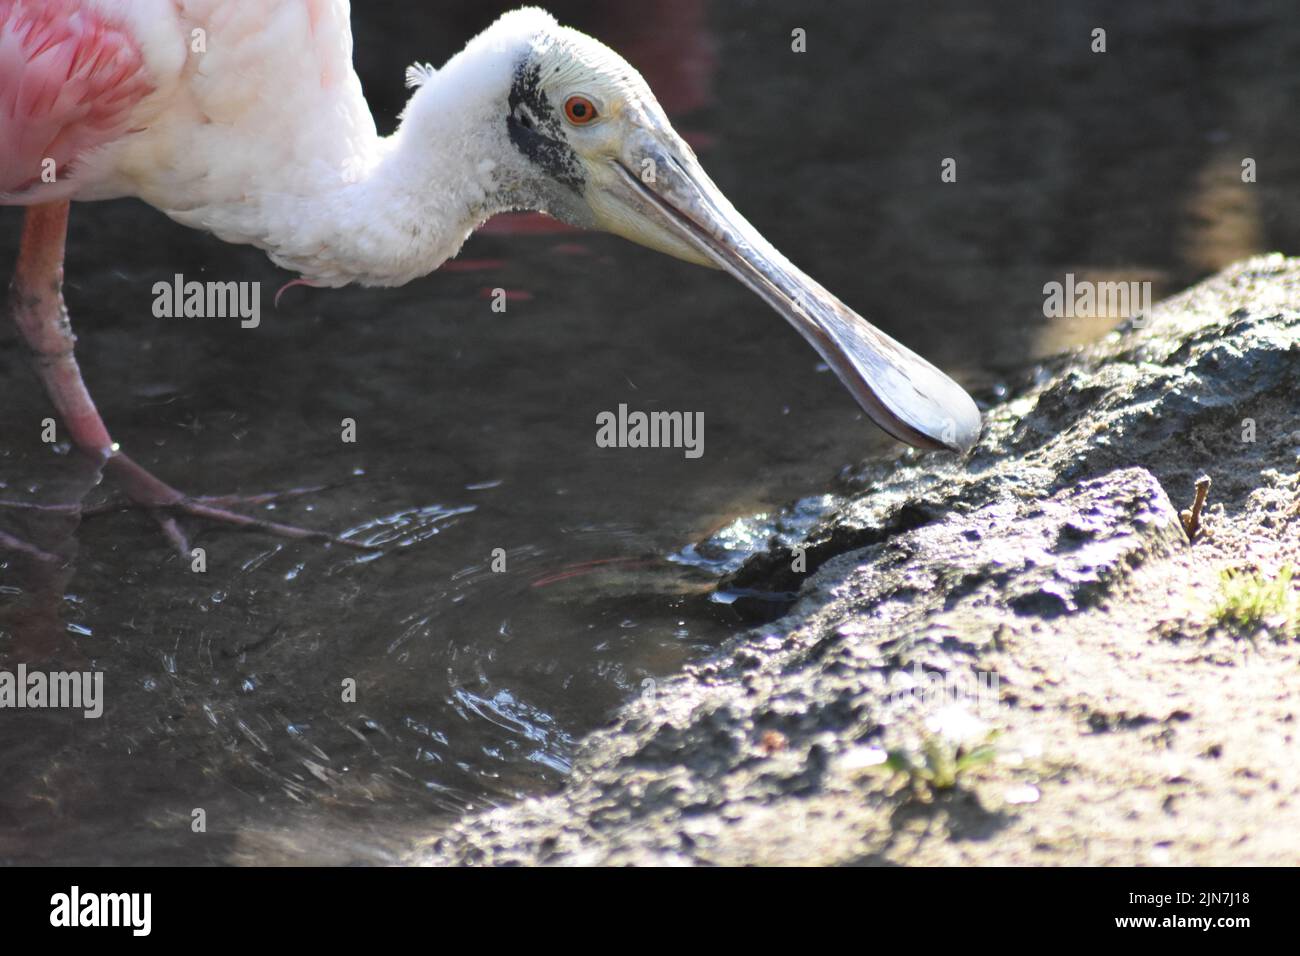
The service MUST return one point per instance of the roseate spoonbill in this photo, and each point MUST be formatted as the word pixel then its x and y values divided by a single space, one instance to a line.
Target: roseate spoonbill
pixel 245 118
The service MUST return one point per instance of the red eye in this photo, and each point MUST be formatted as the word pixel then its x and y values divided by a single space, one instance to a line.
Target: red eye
pixel 579 110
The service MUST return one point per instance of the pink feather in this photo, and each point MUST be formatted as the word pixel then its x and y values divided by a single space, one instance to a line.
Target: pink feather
pixel 69 79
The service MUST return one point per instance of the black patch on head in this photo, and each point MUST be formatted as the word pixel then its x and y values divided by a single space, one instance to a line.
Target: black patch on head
pixel 537 130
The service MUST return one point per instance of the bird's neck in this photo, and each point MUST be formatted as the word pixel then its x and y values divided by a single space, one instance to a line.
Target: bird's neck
pixel 413 198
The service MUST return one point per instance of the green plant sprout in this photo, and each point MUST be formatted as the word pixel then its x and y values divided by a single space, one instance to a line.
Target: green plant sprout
pixel 1250 601
pixel 940 763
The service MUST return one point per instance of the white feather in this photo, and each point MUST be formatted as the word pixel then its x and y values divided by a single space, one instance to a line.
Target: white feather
pixel 257 131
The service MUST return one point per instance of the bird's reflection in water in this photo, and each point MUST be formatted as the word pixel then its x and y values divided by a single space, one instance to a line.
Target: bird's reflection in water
pixel 39 545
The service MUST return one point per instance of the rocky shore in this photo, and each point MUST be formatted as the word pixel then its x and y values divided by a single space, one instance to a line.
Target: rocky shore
pixel 1021 658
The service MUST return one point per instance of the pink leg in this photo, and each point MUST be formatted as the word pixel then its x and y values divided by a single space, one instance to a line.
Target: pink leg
pixel 36 296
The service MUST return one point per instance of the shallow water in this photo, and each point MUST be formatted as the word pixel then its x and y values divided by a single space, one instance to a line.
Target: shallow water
pixel 476 429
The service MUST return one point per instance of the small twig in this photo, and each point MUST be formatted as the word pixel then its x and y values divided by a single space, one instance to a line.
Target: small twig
pixel 1191 519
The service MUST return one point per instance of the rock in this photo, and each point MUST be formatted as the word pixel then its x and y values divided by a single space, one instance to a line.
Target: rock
pixel 1044 590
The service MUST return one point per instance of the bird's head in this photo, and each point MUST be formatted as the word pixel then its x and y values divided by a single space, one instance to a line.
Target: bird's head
pixel 590 144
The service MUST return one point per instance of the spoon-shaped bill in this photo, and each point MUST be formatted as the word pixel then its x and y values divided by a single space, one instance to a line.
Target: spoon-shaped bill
pixel 902 393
